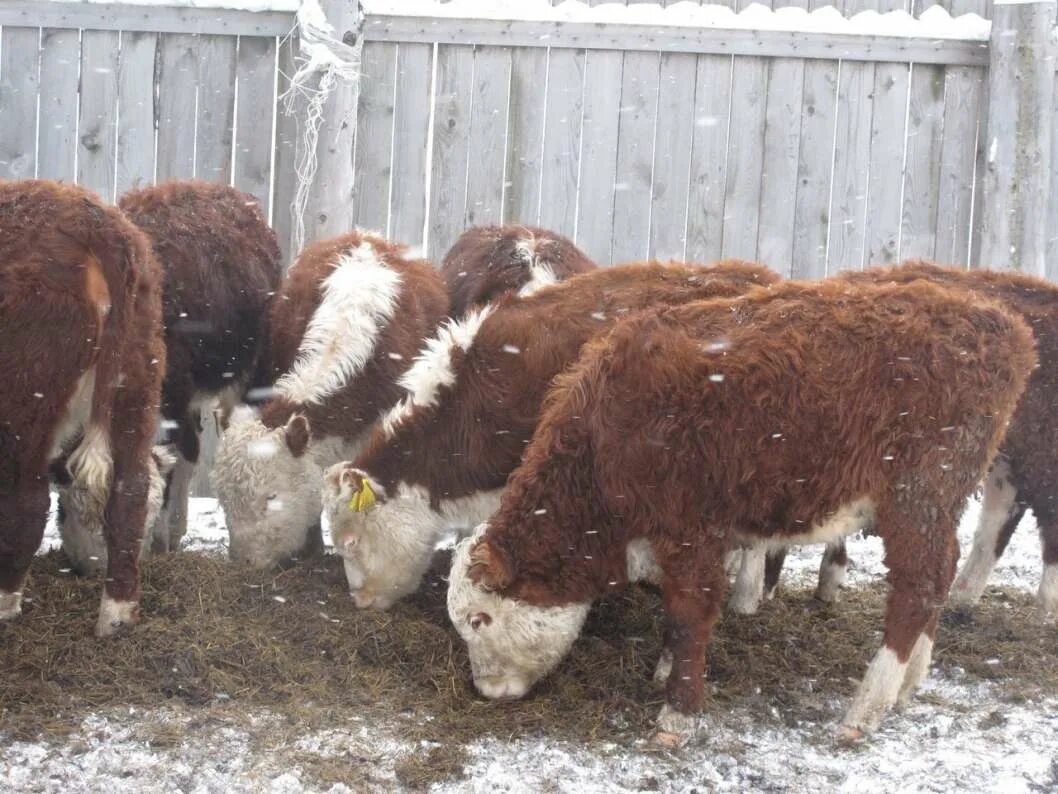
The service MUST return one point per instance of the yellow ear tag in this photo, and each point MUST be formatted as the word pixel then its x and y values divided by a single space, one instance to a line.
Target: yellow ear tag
pixel 363 499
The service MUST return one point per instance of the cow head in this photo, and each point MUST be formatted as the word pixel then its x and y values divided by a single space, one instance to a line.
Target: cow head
pixel 268 486
pixel 386 540
pixel 512 644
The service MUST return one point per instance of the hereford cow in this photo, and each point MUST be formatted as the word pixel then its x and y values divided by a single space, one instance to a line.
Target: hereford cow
pixel 489 261
pixel 221 267
pixel 440 458
pixel 795 413
pixel 1024 475
pixel 83 358
pixel 350 316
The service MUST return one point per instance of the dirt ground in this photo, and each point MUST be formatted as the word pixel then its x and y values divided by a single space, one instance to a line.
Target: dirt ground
pixel 237 680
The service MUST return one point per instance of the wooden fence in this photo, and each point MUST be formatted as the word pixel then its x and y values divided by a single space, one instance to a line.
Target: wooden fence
pixel 810 151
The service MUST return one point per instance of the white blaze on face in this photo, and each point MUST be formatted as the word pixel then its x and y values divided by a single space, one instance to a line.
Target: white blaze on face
pixel 432 369
pixel 541 273
pixel 512 645
pixel 358 301
pixel 387 548
pixel 271 498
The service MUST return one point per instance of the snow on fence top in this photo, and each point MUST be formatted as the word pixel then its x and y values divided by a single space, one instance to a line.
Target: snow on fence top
pixel 934 23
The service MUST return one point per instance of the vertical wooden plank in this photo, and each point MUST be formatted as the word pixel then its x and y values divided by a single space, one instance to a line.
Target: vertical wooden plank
pixel 488 136
pixel 779 177
pixel 285 180
pixel 745 158
pixel 635 157
pixel 216 108
pixel 851 157
pixel 598 165
pixel 19 64
pixel 963 89
pixel 1052 225
pixel 922 174
pixel 255 120
pixel 411 140
pixel 560 174
pixel 57 132
pixel 374 137
pixel 97 128
pixel 705 200
pixel 177 74
pixel 886 163
pixel 525 132
pixel 815 170
pixel 674 139
pixel 136 108
pixel 455 75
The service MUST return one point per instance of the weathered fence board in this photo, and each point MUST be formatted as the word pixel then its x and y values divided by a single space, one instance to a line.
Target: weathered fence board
pixel 560 160
pixel 177 74
pixel 252 169
pixel 448 179
pixel 147 18
pixel 284 166
pixel 57 129
pixel 963 87
pixel 673 138
pixel 745 158
pixel 525 135
pixel 852 150
pixel 923 155
pixel 216 107
pixel 19 59
pixel 888 126
pixel 487 137
pixel 411 129
pixel 97 124
pixel 136 109
pixel 705 199
pixel 374 137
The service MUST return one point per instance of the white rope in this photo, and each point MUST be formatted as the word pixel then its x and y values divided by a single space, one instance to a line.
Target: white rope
pixel 320 52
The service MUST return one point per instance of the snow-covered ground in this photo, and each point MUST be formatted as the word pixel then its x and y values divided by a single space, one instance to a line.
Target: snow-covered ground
pixel 959 735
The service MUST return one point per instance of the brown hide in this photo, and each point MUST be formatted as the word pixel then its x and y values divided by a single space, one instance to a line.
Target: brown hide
pixel 421 306
pixel 487 262
pixel 475 436
pixel 765 413
pixel 221 266
pixel 64 255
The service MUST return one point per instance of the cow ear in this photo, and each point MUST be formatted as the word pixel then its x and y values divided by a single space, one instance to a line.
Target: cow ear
pixel 296 434
pixel 488 568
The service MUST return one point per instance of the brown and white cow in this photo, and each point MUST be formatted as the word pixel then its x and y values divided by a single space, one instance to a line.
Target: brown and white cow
pixel 1025 473
pixel 487 262
pixel 440 458
pixel 83 358
pixel 221 266
pixel 795 413
pixel 350 316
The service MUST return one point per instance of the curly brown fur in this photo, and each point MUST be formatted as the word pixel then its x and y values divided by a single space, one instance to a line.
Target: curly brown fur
pixel 79 294
pixel 817 397
pixel 487 262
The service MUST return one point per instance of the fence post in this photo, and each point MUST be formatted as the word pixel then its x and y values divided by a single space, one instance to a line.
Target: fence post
pixel 324 201
pixel 1018 144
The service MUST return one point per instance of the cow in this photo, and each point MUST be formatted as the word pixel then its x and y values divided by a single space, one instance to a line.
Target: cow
pixel 349 318
pixel 1025 473
pixel 438 461
pixel 796 413
pixel 83 357
pixel 221 266
pixel 487 262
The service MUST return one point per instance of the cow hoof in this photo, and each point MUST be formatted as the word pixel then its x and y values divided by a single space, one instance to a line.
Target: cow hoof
pixel 663 668
pixel 848 735
pixel 10 605
pixel 674 729
pixel 116 615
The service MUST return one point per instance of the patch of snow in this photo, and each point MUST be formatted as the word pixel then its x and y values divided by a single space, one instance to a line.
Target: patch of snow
pixel 934 23
pixel 233 5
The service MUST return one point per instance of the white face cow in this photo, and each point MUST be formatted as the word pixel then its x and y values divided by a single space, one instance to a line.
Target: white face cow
pixel 269 488
pixel 387 540
pixel 81 522
pixel 512 644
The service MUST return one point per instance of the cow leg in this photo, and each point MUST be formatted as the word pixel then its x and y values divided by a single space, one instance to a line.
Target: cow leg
pixel 126 511
pixel 1000 513
pixel 832 572
pixel 921 554
pixel 749 583
pixel 23 514
pixel 693 592
pixel 176 502
pixel 1047 519
pixel 773 563
pixel 663 669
